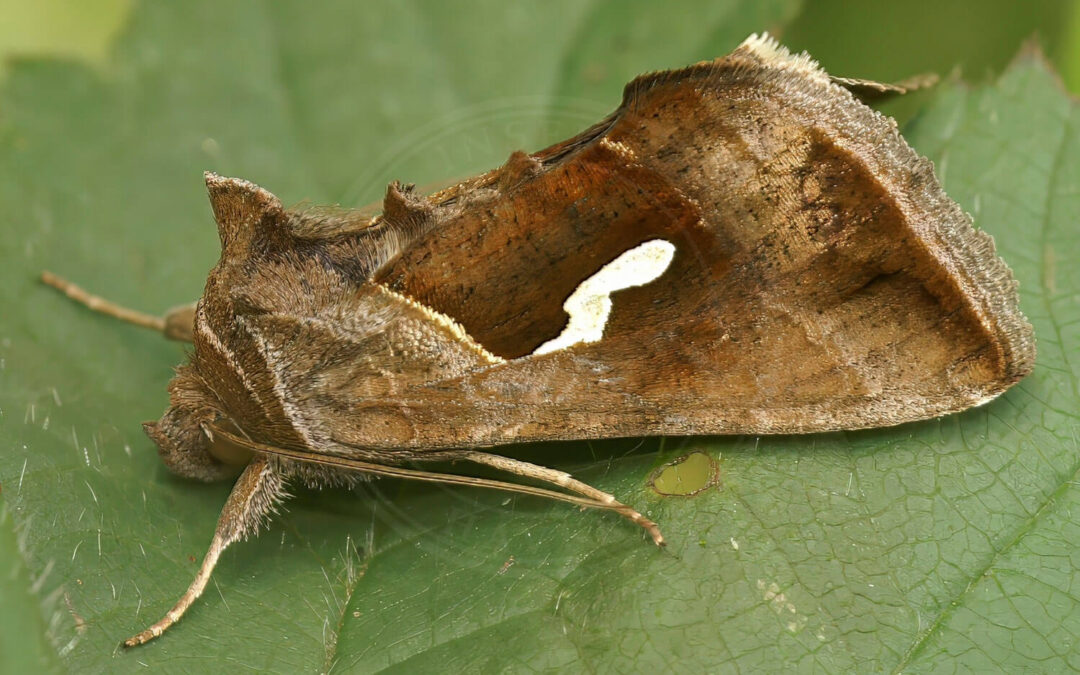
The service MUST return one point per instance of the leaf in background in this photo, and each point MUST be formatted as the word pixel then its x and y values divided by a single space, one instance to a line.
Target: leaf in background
pixel 881 550
pixel 50 28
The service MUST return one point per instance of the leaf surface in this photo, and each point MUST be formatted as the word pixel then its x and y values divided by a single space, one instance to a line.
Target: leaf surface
pixel 915 548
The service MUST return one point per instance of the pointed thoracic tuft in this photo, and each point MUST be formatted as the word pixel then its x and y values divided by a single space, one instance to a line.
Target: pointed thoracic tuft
pixel 240 207
pixel 402 206
pixel 518 167
pixel 776 55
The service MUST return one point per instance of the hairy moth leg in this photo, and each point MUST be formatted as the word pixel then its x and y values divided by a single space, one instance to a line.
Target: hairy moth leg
pixel 254 496
pixel 586 497
pixel 563 480
pixel 175 325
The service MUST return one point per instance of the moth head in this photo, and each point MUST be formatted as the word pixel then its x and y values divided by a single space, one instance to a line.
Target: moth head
pixel 181 437
pixel 250 221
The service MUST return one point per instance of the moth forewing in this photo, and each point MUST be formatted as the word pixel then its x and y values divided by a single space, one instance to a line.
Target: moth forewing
pixel 807 273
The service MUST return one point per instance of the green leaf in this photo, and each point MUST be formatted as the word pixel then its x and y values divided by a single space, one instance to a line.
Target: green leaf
pixel 1010 155
pixel 72 28
pixel 942 544
pixel 23 644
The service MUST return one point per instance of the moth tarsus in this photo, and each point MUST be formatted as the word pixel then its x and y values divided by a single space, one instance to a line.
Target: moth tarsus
pixel 244 509
pixel 252 497
pixel 814 277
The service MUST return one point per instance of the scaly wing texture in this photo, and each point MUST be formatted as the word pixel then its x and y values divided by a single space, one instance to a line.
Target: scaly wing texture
pixel 823 279
pixel 335 372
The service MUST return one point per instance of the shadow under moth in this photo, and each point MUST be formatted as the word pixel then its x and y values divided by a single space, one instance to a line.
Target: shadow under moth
pixel 742 247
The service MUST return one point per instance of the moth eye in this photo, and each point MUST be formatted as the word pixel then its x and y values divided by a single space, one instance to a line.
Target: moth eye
pixel 589 306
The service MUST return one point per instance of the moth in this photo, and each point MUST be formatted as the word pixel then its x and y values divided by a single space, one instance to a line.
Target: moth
pixel 742 247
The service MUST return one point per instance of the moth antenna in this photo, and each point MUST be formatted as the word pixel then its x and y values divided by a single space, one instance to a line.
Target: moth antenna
pixel 175 325
pixel 592 498
pixel 255 495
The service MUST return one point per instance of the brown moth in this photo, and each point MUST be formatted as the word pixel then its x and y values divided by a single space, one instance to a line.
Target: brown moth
pixel 743 247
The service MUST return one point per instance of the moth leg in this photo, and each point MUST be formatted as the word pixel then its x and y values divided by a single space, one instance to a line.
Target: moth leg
pixel 254 496
pixel 177 324
pixel 563 480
